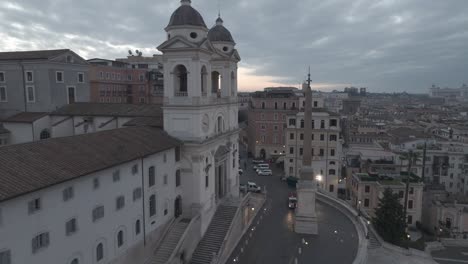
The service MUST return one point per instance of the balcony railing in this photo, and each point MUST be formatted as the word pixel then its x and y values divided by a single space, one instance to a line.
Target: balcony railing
pixel 181 94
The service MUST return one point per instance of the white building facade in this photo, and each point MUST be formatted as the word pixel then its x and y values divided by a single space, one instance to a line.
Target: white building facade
pixel 326 148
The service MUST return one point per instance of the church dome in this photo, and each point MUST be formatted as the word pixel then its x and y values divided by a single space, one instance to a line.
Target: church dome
pixel 186 15
pixel 219 33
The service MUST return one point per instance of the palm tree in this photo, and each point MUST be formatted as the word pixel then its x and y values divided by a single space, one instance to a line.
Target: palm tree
pixel 412 158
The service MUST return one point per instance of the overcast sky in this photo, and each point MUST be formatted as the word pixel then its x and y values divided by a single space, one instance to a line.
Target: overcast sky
pixel 385 45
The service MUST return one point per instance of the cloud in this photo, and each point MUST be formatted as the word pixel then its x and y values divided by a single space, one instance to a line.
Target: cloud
pixel 386 45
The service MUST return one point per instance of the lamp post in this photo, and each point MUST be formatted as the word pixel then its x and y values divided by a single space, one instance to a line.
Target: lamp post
pixel 359 208
pixel 319 179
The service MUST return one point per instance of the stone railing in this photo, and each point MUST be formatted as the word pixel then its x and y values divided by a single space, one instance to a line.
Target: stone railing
pixel 181 94
pixel 187 242
pixel 239 225
pixel 359 223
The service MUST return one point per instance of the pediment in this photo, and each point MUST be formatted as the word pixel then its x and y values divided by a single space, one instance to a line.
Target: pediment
pixel 64 58
pixel 176 43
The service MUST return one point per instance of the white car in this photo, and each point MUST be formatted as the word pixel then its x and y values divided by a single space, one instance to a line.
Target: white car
pixel 265 173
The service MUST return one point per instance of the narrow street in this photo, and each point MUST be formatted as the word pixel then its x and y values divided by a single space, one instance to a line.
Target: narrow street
pixel 271 238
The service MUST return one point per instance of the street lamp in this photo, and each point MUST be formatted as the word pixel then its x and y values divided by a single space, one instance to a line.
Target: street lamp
pixel 359 208
pixel 319 179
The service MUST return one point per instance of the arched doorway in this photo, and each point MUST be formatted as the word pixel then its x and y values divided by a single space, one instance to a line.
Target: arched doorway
pixel 262 154
pixel 178 206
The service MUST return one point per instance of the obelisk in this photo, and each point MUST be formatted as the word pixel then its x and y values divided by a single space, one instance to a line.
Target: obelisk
pixel 306 217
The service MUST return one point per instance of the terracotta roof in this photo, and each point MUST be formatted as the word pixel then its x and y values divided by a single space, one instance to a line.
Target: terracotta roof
pixel 101 109
pixel 25 117
pixel 31 55
pixel 146 121
pixel 29 167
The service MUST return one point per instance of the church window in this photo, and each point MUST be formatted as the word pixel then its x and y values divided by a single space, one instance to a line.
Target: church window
pixel 216 83
pixel 180 74
pixel 193 35
pixel 225 49
pixel 45 134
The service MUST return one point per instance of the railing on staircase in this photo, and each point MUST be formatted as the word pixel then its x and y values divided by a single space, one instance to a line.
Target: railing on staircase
pixel 218 257
pixel 163 235
pixel 182 238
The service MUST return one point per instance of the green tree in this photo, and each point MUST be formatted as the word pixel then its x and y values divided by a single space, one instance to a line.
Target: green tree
pixel 389 220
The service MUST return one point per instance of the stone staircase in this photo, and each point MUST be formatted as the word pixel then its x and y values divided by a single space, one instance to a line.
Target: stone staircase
pixel 373 242
pixel 169 242
pixel 214 235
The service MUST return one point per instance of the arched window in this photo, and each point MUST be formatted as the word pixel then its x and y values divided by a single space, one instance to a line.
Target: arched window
pixel 99 252
pixel 180 74
pixel 302 123
pixel 120 238
pixel 45 134
pixel 203 77
pixel 220 124
pixel 332 163
pixel 152 205
pixel 151 176
pixel 75 261
pixel 216 83
pixel 137 227
pixel 284 105
pixel 233 84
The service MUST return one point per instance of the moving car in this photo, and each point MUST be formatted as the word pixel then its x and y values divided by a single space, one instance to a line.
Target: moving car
pixel 292 201
pixel 250 187
pixel 266 172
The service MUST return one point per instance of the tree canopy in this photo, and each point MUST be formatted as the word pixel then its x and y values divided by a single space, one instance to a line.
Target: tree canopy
pixel 389 220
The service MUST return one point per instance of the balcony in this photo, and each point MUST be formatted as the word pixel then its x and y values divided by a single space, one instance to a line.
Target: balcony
pixel 181 94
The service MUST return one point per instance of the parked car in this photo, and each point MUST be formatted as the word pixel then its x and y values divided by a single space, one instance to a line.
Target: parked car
pixel 265 173
pixel 283 178
pixel 241 171
pixel 258 161
pixel 250 187
pixel 292 201
pixel 261 166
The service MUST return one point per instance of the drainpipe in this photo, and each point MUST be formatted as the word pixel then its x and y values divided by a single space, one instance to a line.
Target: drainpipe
pixel 143 202
pixel 24 86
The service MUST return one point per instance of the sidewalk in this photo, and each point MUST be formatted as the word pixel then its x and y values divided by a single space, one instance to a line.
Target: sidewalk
pixel 385 256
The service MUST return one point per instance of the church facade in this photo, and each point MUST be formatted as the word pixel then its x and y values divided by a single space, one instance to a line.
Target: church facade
pixel 108 195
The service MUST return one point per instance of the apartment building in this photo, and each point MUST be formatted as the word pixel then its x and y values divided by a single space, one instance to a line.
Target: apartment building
pixel 326 147
pixel 84 200
pixel 117 82
pixel 366 189
pixel 267 120
pixel 41 81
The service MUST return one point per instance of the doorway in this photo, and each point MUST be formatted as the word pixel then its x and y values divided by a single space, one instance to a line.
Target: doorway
pixel 71 95
pixel 178 206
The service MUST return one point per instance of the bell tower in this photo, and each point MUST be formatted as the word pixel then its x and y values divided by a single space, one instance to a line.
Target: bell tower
pixel 200 107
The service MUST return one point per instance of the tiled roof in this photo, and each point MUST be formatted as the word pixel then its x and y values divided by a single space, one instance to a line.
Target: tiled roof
pixel 31 55
pixel 25 117
pixel 32 166
pixel 102 109
pixel 146 121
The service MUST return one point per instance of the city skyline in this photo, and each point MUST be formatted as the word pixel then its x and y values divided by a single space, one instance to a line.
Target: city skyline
pixel 387 46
